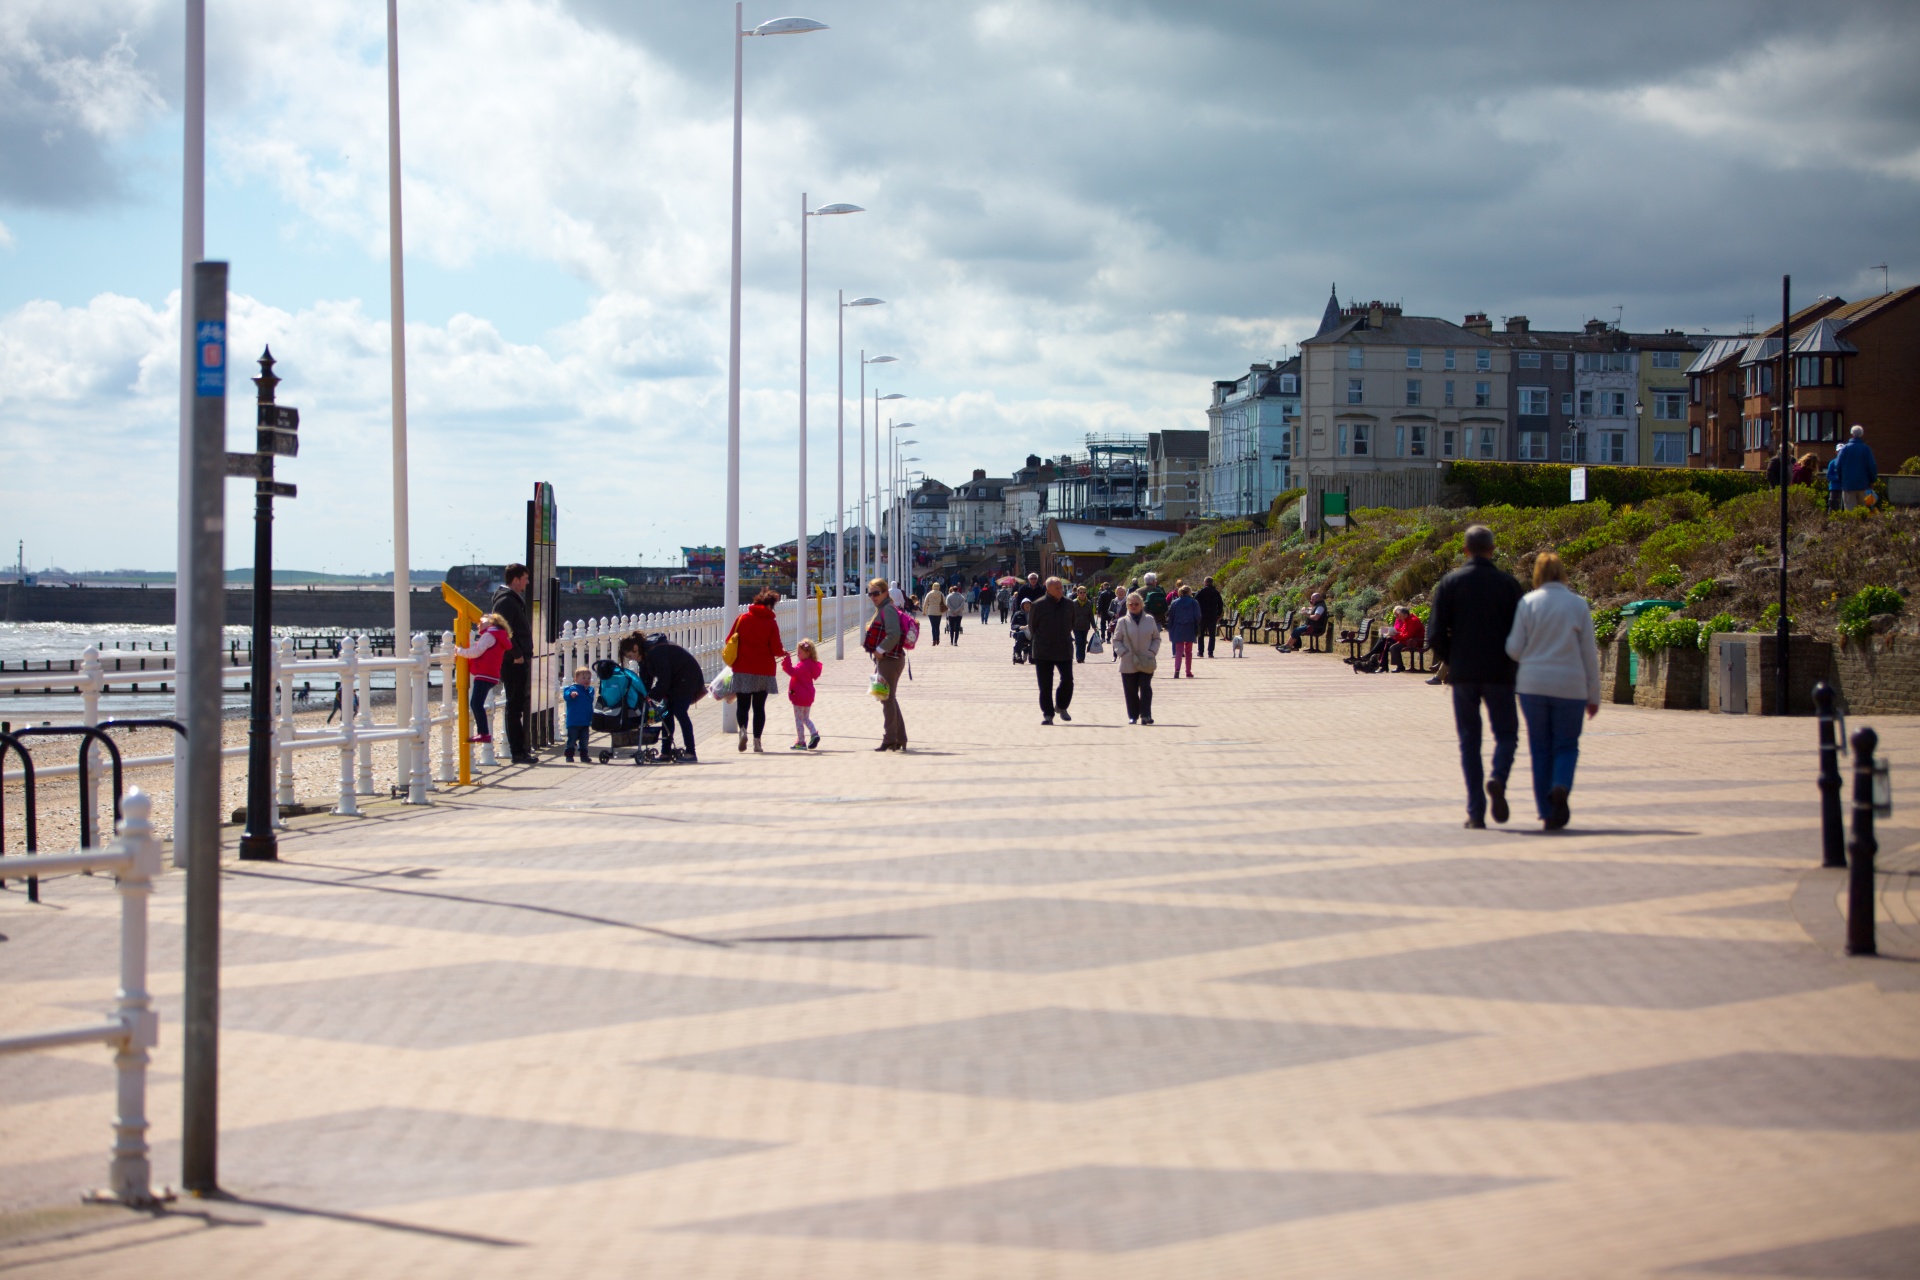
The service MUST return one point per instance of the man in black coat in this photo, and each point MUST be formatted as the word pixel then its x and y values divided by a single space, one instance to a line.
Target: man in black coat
pixel 672 676
pixel 516 671
pixel 1212 608
pixel 1050 626
pixel 1473 611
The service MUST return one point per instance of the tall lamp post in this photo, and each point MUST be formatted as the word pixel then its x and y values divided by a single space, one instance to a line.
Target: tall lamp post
pixel 877 398
pixel 893 512
pixel 840 472
pixel 1785 397
pixel 800 548
pixel 868 567
pixel 778 27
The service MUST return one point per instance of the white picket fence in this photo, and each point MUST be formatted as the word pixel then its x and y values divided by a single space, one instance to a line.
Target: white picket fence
pixel 420 769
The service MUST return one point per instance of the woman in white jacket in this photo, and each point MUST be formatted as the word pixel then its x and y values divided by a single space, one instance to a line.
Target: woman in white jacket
pixel 1552 640
pixel 1136 643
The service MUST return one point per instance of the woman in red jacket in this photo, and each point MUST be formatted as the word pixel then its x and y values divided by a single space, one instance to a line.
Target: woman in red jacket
pixel 1409 634
pixel 760 651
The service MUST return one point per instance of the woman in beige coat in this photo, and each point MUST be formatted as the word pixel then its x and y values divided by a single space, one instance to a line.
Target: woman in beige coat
pixel 1136 641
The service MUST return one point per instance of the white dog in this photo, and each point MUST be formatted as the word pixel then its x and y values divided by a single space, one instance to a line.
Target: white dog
pixel 1239 646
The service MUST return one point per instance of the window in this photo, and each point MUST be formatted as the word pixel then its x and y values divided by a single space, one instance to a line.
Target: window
pixel 1413 357
pixel 1343 439
pixel 1417 440
pixel 1559 359
pixel 1356 390
pixel 1361 433
pixel 1533 402
pixel 1446 443
pixel 1566 404
pixel 1483 359
pixel 1696 439
pixel 1604 362
pixel 1533 446
pixel 1413 391
pixel 1447 359
pixel 1487 441
pixel 1482 394
pixel 1286 444
pixel 1760 379
pixel 1289 384
pixel 1613 446
pixel 1529 359
pixel 1666 359
pixel 1449 392
pixel 1356 358
pixel 1669 447
pixel 1399 441
pixel 1696 390
pixel 1669 406
pixel 1816 425
pixel 1586 404
pixel 1573 447
pixel 1615 404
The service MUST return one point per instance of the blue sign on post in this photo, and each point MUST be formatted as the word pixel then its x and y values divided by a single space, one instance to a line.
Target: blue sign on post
pixel 210 360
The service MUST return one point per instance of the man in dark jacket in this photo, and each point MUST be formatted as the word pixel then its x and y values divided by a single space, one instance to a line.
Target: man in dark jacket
pixel 1050 626
pixel 1473 611
pixel 1212 609
pixel 510 602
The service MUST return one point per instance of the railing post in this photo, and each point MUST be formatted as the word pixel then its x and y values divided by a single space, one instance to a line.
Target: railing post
pixel 1860 886
pixel 130 1175
pixel 91 680
pixel 449 713
pixel 287 730
pixel 416 757
pixel 349 671
pixel 1833 851
pixel 363 694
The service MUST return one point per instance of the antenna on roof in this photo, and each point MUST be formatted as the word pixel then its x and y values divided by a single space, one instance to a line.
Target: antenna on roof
pixel 1619 315
pixel 1883 278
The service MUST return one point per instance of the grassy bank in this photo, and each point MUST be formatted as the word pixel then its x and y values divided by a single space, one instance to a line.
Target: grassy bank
pixel 1719 558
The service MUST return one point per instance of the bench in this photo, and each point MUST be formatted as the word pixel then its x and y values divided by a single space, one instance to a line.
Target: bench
pixel 1279 630
pixel 1356 641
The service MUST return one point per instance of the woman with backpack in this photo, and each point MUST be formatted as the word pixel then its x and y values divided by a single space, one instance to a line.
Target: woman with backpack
pixel 887 641
pixel 753 648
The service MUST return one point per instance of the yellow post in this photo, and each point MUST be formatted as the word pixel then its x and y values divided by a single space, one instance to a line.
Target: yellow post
pixel 465 614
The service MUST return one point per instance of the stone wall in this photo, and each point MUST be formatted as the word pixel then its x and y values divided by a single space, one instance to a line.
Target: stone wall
pixel 1672 679
pixel 1878 675
pixel 1809 661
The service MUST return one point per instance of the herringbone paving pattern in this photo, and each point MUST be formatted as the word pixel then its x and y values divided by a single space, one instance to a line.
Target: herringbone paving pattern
pixel 1234 995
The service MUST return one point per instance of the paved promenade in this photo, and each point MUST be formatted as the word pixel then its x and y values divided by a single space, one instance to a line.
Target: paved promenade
pixel 1234 995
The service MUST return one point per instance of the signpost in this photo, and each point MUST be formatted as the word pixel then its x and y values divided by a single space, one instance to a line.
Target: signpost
pixel 543 608
pixel 1333 511
pixel 1577 479
pixel 276 435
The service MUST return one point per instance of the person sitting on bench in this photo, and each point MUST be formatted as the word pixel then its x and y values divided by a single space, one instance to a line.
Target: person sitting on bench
pixel 1409 635
pixel 1316 623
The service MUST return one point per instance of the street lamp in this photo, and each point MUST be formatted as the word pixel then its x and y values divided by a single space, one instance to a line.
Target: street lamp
pixel 862 533
pixel 777 27
pixel 800 548
pixel 893 546
pixel 840 472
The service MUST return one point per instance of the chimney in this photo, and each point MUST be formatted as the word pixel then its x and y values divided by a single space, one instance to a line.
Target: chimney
pixel 979 474
pixel 1596 327
pixel 1477 322
pixel 1516 324
pixel 1033 461
pixel 1376 315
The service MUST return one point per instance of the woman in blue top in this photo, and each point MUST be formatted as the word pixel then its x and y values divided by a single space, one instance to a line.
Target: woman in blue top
pixel 1183 628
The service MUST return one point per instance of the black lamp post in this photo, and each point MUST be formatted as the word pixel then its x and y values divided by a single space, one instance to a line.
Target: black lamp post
pixel 1785 397
pixel 274 434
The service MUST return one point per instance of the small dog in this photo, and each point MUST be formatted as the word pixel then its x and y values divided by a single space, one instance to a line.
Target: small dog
pixel 1239 646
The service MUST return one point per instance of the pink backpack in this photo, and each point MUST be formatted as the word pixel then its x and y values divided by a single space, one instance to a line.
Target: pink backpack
pixel 909 629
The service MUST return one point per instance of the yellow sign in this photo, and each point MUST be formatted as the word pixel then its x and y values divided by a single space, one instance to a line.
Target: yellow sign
pixel 465 614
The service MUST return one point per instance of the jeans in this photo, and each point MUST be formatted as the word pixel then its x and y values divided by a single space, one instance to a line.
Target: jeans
pixel 577 738
pixel 1050 702
pixel 1138 688
pixel 477 703
pixel 514 675
pixel 1553 740
pixel 892 670
pixel 933 625
pixel 1504 718
pixel 676 714
pixel 1079 646
pixel 986 612
pixel 953 628
pixel 756 704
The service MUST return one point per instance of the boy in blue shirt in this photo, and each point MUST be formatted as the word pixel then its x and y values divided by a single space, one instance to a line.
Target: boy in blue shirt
pixel 579 696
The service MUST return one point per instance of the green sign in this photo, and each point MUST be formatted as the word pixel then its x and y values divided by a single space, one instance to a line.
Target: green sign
pixel 1333 508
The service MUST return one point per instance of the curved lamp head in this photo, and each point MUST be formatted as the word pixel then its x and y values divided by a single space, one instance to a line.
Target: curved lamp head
pixel 786 27
pixel 826 209
pixel 880 359
pixel 867 302
pixel 895 395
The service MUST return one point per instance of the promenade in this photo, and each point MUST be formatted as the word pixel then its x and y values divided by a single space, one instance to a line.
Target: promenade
pixel 1233 995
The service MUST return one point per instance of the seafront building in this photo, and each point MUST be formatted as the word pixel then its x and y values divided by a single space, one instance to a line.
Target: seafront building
pixel 1252 426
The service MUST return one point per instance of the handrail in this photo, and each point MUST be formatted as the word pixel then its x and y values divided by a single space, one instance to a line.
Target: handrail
pixel 10 743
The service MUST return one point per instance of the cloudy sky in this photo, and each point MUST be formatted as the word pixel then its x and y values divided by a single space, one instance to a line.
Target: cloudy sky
pixel 1079 215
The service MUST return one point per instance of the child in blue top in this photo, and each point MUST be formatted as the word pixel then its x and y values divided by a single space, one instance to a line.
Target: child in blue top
pixel 579 696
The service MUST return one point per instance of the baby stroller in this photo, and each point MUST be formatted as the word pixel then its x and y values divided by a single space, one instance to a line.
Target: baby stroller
pixel 623 724
pixel 1022 641
pixel 652 726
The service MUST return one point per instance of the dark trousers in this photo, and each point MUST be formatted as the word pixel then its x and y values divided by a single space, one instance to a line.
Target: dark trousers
pixel 1504 717
pixel 953 628
pixel 1209 630
pixel 1079 646
pixel 477 704
pixel 750 703
pixel 1138 688
pixel 677 714
pixel 1050 701
pixel 514 678
pixel 933 625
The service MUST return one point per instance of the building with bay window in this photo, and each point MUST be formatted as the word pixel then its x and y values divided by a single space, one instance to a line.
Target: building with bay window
pixel 1252 425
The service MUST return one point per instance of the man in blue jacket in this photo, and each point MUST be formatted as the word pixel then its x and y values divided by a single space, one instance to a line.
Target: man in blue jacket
pixel 1856 468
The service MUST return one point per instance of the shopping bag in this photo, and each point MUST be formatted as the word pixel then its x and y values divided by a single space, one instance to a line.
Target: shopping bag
pixel 878 687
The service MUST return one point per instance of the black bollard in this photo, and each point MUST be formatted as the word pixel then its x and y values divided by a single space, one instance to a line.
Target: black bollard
pixel 1860 887
pixel 1833 848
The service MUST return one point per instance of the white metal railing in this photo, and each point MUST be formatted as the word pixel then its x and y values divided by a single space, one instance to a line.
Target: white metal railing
pixel 134 1029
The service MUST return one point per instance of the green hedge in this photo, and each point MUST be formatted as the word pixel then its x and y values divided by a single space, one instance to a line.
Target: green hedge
pixel 1547 484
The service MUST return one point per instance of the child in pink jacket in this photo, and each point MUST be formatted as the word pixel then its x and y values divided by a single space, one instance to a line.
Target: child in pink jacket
pixel 800 678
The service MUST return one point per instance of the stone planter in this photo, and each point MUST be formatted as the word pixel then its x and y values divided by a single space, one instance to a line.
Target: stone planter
pixel 1615 671
pixel 1808 662
pixel 1670 679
